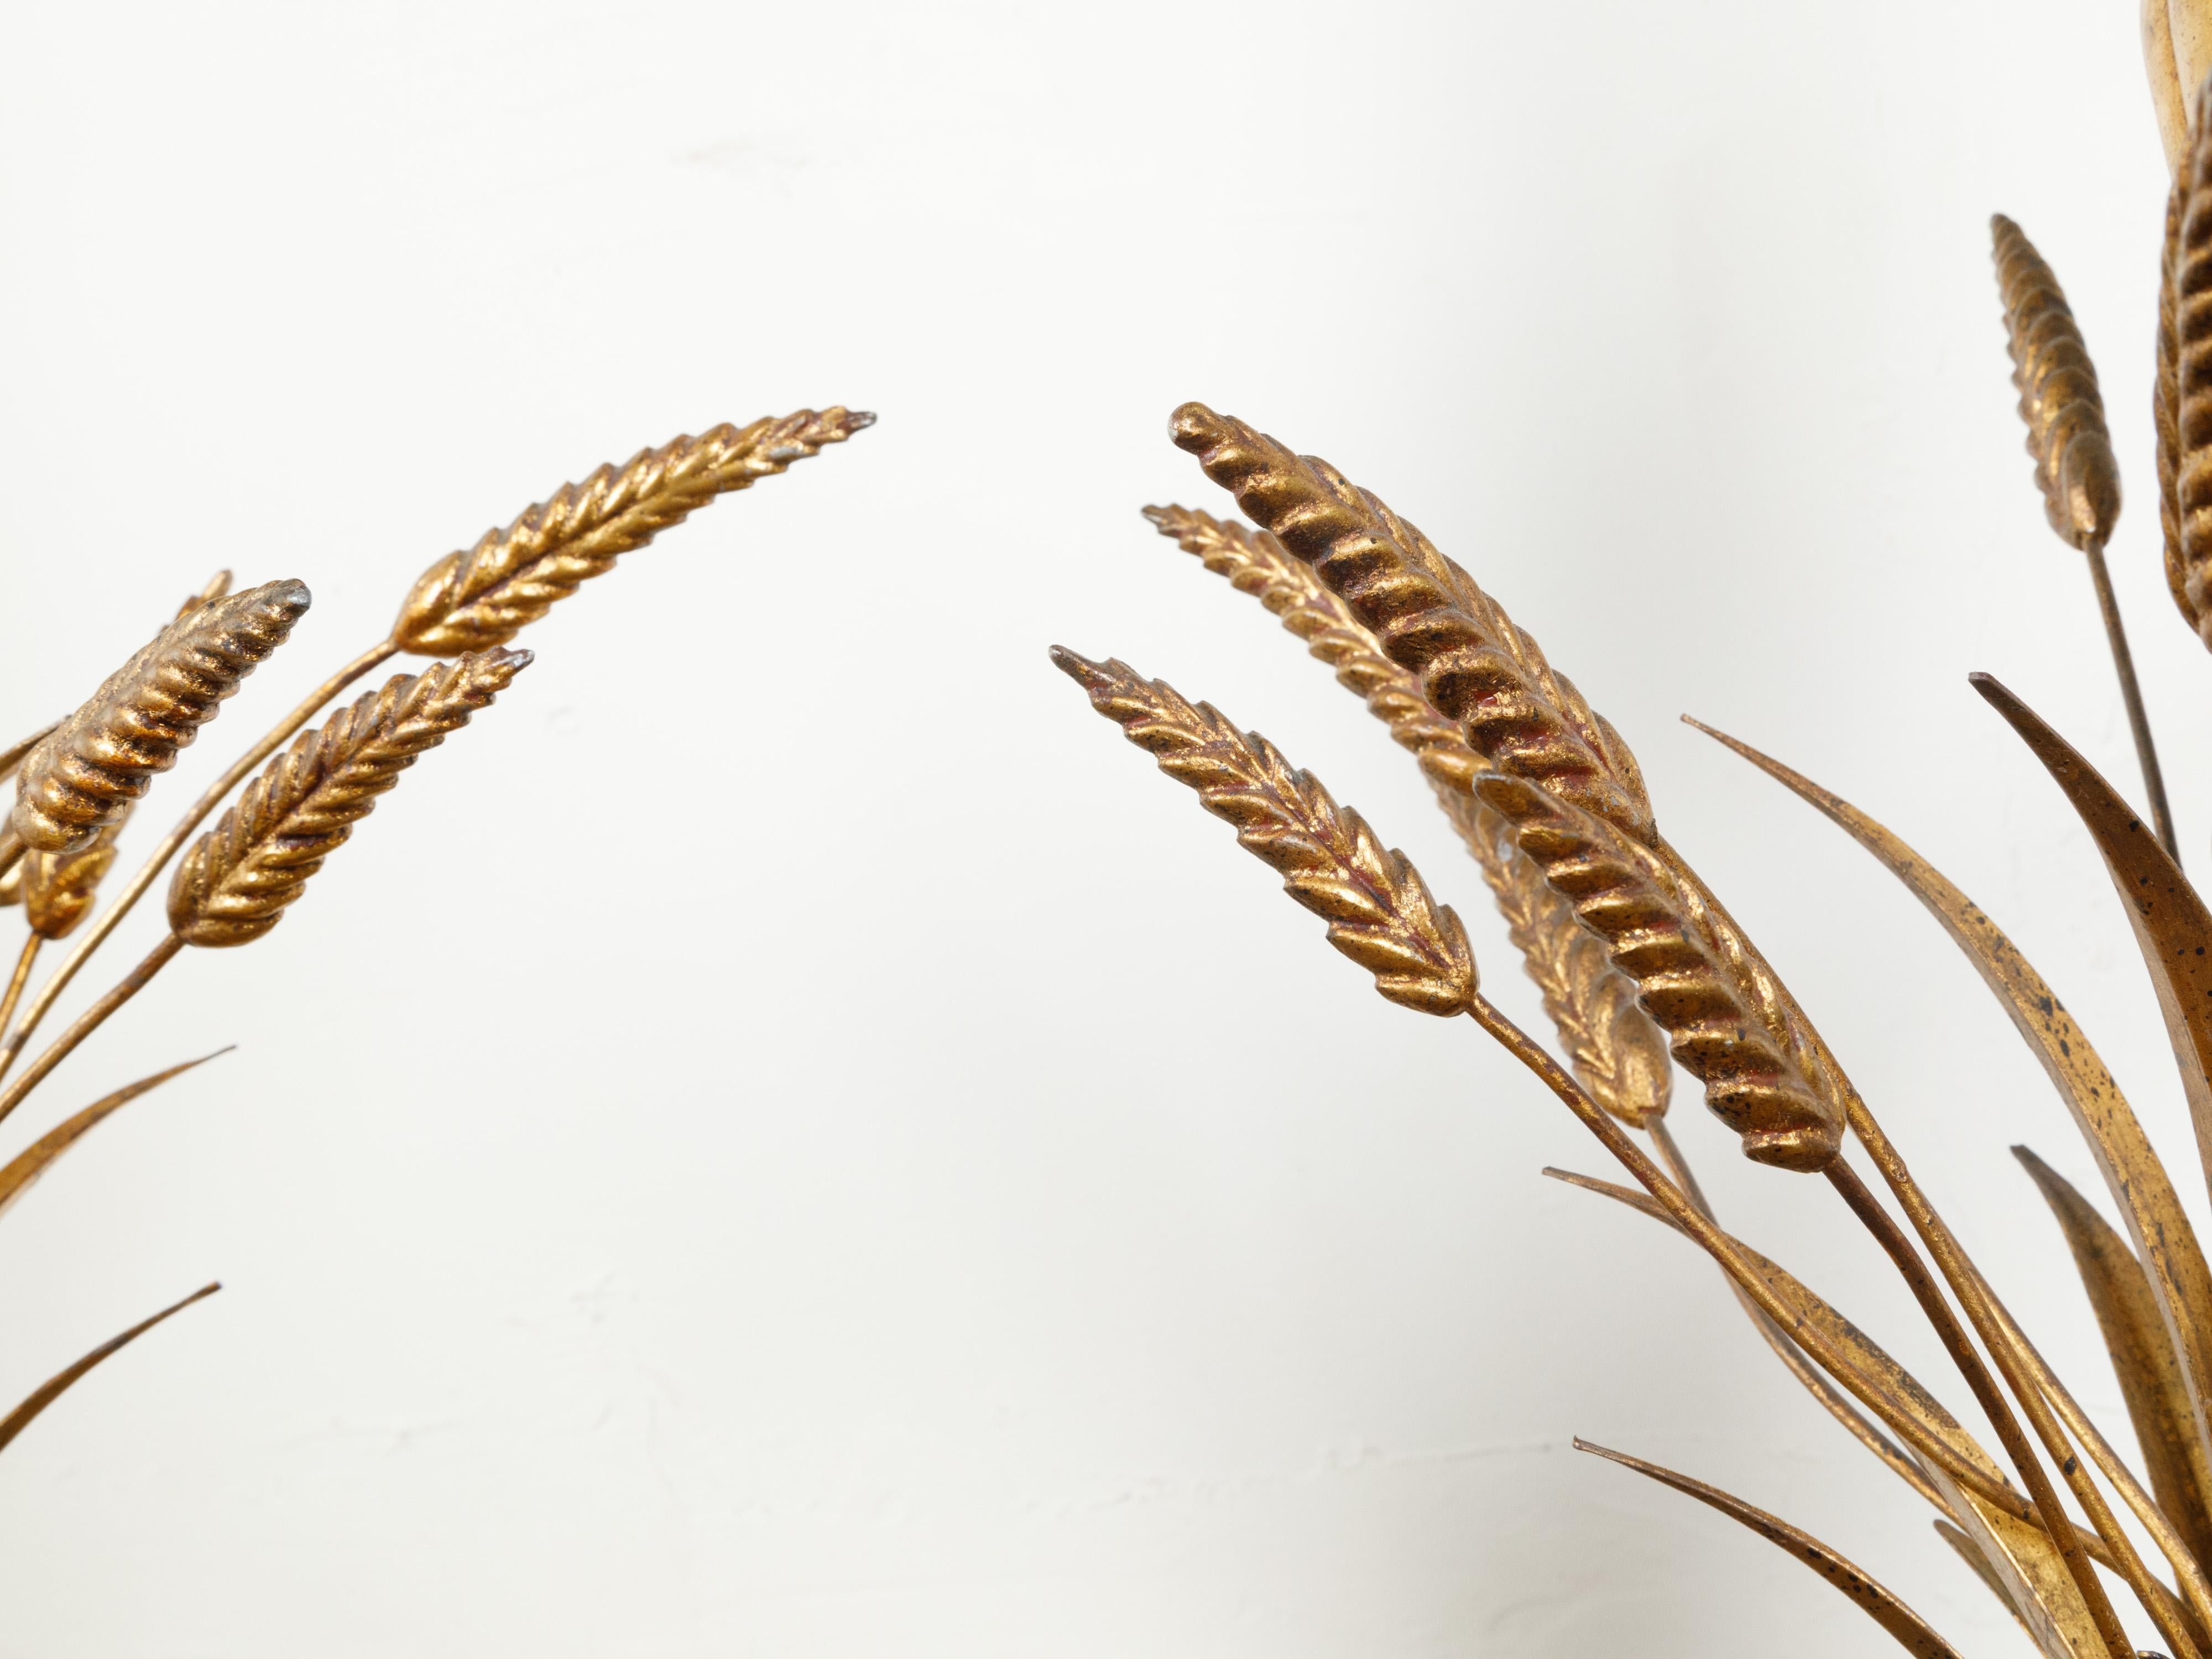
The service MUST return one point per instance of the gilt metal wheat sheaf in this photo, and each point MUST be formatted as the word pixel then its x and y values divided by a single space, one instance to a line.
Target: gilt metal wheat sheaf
pixel 1636 958
pixel 78 781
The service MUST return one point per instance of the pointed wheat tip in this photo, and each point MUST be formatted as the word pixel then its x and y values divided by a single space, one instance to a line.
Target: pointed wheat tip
pixel 1089 675
pixel 1194 427
pixel 859 420
pixel 1154 516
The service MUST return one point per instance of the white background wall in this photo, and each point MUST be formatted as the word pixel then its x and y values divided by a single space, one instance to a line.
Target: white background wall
pixel 791 1139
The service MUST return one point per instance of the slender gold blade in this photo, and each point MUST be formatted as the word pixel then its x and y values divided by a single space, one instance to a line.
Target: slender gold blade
pixel 1905 1626
pixel 27 1165
pixel 2135 1336
pixel 2172 927
pixel 2134 1174
pixel 59 1383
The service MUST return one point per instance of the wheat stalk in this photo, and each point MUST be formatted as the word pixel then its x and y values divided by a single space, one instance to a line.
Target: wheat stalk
pixel 476 600
pixel 1615 1051
pixel 234 884
pixel 2058 395
pixel 1378 909
pixel 87 772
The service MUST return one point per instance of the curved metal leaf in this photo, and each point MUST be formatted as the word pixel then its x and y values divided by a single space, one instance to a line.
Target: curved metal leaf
pixel 27 1166
pixel 2134 1174
pixel 1905 1626
pixel 2135 1336
pixel 2172 927
pixel 58 1384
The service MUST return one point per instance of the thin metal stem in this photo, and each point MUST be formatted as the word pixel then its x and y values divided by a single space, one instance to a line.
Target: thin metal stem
pixel 1831 1399
pixel 136 889
pixel 88 1022
pixel 1992 1399
pixel 2161 816
pixel 22 976
pixel 1739 1267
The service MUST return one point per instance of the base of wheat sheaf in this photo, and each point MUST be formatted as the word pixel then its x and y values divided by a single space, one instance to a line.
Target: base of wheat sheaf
pixel 79 781
pixel 1641 967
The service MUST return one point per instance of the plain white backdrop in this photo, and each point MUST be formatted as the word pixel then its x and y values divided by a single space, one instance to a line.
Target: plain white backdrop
pixel 789 1138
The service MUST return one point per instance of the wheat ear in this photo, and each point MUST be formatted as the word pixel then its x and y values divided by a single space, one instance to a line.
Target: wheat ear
pixel 87 771
pixel 234 884
pixel 1727 1017
pixel 2058 396
pixel 1615 1051
pixel 1378 909
pixel 2188 274
pixel 481 599
pixel 58 888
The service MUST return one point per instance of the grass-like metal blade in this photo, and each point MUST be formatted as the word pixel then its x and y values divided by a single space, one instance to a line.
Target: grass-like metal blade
pixel 2016 1549
pixel 1905 1626
pixel 2137 1181
pixel 2172 927
pixel 1966 1549
pixel 59 1383
pixel 27 1165
pixel 2150 1377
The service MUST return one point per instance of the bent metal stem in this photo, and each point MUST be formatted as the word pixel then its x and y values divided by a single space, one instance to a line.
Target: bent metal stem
pixel 2042 1507
pixel 97 934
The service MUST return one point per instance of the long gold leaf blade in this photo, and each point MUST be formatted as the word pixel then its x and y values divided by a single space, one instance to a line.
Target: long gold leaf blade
pixel 2172 927
pixel 27 1165
pixel 60 1383
pixel 1904 1404
pixel 2135 1336
pixel 1905 1626
pixel 2134 1174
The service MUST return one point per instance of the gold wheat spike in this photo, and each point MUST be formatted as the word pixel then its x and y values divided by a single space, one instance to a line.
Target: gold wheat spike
pixel 58 1384
pixel 1429 616
pixel 12 757
pixel 1881 1605
pixel 1616 1052
pixel 234 884
pixel 89 770
pixel 23 1171
pixel 1727 1021
pixel 2058 396
pixel 2151 1381
pixel 1378 909
pixel 481 599
pixel 2165 415
pixel 58 887
pixel 2189 274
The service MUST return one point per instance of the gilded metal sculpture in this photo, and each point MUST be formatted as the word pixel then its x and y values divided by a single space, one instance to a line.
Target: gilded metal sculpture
pixel 1638 960
pixel 78 780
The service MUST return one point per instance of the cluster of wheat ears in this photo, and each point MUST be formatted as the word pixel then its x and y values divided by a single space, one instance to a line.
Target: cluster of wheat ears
pixel 78 780
pixel 1636 958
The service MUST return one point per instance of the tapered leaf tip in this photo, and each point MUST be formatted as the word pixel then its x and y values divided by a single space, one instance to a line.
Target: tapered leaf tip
pixel 1194 426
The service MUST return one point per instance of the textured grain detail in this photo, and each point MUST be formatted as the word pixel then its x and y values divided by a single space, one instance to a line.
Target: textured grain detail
pixel 1616 1052
pixel 1727 1018
pixel 234 884
pixel 2166 414
pixel 58 888
pixel 2058 396
pixel 87 771
pixel 1430 616
pixel 1378 909
pixel 2191 274
pixel 481 599
pixel 1694 975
